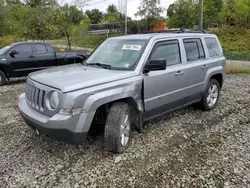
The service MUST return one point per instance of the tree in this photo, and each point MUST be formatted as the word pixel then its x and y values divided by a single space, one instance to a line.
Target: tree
pixel 150 10
pixel 111 15
pixel 68 16
pixel 16 2
pixel 112 9
pixel 182 14
pixel 94 15
pixel 242 13
pixel 171 10
pixel 211 11
pixel 41 3
pixel 1 17
pixel 236 12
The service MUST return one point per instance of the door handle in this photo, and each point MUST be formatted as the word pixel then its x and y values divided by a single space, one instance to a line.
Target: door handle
pixel 204 66
pixel 178 73
pixel 31 56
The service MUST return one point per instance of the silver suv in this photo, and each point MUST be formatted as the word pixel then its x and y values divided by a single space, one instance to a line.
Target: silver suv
pixel 125 82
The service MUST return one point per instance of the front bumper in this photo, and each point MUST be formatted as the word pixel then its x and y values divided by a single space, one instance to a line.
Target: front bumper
pixel 73 129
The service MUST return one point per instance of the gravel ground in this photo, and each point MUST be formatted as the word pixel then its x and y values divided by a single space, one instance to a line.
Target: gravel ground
pixel 186 148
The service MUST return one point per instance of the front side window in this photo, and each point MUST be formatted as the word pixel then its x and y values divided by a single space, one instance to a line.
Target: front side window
pixel 194 49
pixel 213 47
pixel 23 49
pixel 167 50
pixel 40 48
pixel 120 54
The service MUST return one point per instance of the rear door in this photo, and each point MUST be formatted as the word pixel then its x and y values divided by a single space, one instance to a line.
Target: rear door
pixel 45 58
pixel 22 63
pixel 197 66
pixel 163 90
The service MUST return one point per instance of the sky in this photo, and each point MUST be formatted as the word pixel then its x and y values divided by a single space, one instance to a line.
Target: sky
pixel 133 5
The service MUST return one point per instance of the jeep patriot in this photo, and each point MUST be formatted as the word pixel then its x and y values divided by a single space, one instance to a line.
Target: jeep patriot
pixel 126 81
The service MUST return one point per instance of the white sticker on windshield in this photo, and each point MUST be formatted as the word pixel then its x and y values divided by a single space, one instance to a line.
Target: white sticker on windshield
pixel 131 47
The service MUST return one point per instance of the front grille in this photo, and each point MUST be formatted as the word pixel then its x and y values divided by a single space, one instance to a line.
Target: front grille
pixel 35 97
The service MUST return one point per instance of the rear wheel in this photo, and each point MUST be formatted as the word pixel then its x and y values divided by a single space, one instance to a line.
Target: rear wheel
pixel 2 78
pixel 211 95
pixel 117 135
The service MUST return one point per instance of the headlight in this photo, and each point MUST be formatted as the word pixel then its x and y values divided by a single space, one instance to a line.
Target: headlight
pixel 54 100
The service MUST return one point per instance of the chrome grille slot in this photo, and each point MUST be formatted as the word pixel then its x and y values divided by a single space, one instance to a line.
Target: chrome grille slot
pixel 43 96
pixel 38 97
pixel 30 91
pixel 35 97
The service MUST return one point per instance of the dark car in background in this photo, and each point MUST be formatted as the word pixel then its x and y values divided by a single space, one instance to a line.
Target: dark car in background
pixel 20 59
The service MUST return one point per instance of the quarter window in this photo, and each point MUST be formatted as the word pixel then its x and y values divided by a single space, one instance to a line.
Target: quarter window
pixel 167 50
pixel 40 48
pixel 213 47
pixel 194 49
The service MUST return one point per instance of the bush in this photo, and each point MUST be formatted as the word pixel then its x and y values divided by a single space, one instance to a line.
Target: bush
pixel 244 56
pixel 235 42
pixel 7 40
pixel 90 41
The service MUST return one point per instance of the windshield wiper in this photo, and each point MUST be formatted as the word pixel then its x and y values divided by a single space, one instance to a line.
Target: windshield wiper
pixel 105 66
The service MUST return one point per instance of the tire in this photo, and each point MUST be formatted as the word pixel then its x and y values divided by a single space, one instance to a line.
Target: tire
pixel 2 78
pixel 118 119
pixel 98 124
pixel 211 95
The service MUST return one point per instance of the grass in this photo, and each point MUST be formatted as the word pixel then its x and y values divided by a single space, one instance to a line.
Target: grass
pixel 233 69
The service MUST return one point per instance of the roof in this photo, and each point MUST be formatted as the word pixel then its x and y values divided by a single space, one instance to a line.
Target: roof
pixel 37 42
pixel 162 35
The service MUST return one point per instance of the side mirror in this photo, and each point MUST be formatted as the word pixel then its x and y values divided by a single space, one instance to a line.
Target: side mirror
pixel 13 53
pixel 155 65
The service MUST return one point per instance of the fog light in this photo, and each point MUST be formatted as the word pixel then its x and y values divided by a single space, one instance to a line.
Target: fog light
pixel 70 111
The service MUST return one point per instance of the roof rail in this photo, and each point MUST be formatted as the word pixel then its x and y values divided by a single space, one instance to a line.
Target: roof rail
pixel 175 30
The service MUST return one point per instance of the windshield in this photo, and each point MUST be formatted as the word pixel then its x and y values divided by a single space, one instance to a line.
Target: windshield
pixel 119 54
pixel 3 50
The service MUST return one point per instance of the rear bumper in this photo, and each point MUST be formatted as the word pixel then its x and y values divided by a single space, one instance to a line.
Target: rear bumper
pixel 73 129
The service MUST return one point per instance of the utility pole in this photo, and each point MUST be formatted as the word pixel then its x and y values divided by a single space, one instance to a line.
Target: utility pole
pixel 201 14
pixel 126 17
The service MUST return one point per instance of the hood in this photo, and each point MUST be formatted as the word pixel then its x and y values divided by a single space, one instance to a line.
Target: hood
pixel 76 76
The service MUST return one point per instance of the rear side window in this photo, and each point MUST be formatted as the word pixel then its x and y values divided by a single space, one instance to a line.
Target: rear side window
pixel 41 48
pixel 194 49
pixel 213 47
pixel 49 48
pixel 167 50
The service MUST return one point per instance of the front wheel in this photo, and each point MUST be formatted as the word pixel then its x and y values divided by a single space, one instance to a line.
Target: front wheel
pixel 117 133
pixel 2 78
pixel 211 96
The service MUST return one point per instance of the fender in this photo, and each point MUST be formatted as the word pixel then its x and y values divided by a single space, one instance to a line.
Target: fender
pixel 211 72
pixel 4 68
pixel 133 91
pixel 129 92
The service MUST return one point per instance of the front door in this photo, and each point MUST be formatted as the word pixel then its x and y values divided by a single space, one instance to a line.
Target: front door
pixel 21 63
pixel 164 90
